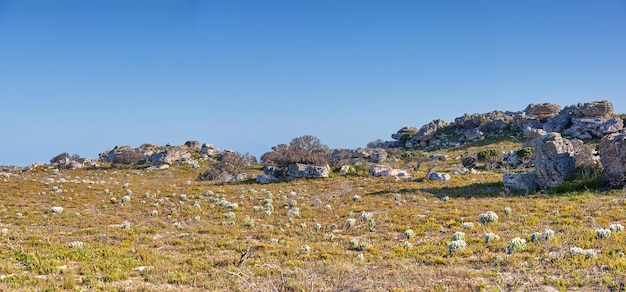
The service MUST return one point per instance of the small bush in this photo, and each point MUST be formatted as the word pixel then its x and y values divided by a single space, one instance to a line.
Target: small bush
pixel 469 161
pixel 488 217
pixel 516 245
pixel 231 163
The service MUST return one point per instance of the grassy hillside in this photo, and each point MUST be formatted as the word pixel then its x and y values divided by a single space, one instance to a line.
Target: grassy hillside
pixel 129 230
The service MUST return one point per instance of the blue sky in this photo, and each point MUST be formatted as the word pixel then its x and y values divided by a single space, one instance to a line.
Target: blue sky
pixel 84 76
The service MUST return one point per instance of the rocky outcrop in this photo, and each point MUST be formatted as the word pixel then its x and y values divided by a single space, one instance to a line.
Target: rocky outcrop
pixel 612 150
pixel 555 158
pixel 168 156
pixel 582 121
pixel 590 127
pixel 297 170
pixel 425 134
pixel 358 156
pixel 208 150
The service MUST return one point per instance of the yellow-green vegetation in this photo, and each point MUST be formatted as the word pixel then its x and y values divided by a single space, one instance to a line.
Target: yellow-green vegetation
pixel 128 230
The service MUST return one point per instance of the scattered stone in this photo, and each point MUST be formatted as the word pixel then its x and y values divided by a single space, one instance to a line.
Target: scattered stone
pixel 438 176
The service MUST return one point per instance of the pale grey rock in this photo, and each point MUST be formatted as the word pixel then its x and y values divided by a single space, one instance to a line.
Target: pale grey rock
pixel 405 133
pixel 589 127
pixel 521 181
pixel 542 110
pixel 265 179
pixel 592 109
pixel 557 157
pixel 399 173
pixel 209 150
pixel 377 155
pixel 612 150
pixel 168 156
pixel 111 154
pixel 297 170
pixel 380 169
pixel 438 176
pixel 557 123
pixel 193 144
pixel 425 134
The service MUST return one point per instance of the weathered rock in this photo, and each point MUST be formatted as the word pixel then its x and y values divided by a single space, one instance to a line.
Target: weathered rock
pixel 405 133
pixel 193 144
pixel 532 134
pixel 439 157
pixel 297 170
pixel 557 157
pixel 169 155
pixel 209 150
pixel 592 109
pixel 612 150
pixel 438 176
pixel 75 165
pixel 400 173
pixel 378 155
pixel 425 134
pixel 542 110
pixel 472 135
pixel 521 181
pixel 158 167
pixel 589 127
pixel 557 123
pixel 265 179
pixel 111 154
pixel 380 169
pixel 344 169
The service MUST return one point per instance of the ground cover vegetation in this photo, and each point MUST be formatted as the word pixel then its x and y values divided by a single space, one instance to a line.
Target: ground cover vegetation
pixel 121 228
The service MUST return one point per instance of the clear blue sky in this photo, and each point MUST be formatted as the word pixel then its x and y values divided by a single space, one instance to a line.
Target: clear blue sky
pixel 84 76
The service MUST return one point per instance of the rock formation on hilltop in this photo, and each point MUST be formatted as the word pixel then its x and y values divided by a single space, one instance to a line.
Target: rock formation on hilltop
pixel 581 121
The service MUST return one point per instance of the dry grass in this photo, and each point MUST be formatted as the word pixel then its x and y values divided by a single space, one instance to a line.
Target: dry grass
pixel 190 244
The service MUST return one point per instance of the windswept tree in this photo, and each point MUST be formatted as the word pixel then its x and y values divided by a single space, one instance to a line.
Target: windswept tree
pixel 230 165
pixel 305 149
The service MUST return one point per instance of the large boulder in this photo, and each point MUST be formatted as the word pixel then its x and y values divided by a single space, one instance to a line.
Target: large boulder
pixel 297 170
pixel 612 150
pixel 556 158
